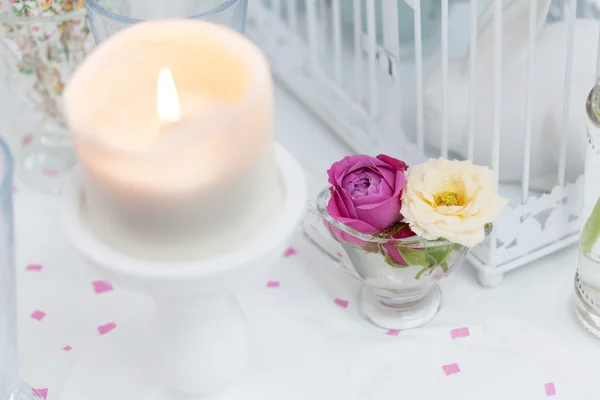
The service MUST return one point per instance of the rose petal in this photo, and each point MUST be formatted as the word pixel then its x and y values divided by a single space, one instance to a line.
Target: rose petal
pixel 371 200
pixel 348 165
pixel 397 164
pixel 344 237
pixel 386 190
pixel 358 226
pixel 390 167
pixel 339 169
pixel 346 199
pixel 399 184
pixel 392 251
pixel 350 179
pixel 388 174
pixel 382 216
pixel 377 193
pixel 354 183
pixel 336 207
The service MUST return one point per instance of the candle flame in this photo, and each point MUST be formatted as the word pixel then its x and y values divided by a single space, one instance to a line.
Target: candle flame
pixel 167 99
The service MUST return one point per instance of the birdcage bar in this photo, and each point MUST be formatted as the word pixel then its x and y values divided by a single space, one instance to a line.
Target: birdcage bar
pixel 336 16
pixel 566 106
pixel 529 100
pixel 276 7
pixel 391 43
pixel 497 91
pixel 313 42
pixel 419 76
pixel 472 80
pixel 444 127
pixel 292 15
pixel 497 110
pixel 358 60
pixel 372 57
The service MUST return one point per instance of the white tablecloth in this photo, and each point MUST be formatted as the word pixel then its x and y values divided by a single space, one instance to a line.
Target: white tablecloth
pixel 517 341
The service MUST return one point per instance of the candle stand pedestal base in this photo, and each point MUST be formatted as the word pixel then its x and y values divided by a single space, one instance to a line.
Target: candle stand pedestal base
pixel 199 343
pixel 289 360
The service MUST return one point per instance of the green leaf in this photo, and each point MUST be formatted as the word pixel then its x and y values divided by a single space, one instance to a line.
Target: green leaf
pixel 439 254
pixel 591 230
pixel 371 248
pixel 421 272
pixel 413 257
pixel 444 266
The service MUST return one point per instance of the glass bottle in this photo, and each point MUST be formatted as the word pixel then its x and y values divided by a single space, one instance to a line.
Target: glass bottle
pixel 10 388
pixel 587 280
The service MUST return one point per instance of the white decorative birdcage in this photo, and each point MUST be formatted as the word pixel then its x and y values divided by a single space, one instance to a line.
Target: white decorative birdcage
pixel 500 82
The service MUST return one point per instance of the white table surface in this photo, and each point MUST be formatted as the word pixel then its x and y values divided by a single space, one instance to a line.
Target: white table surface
pixel 523 334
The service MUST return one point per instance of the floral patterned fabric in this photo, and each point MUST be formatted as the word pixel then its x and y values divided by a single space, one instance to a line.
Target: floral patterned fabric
pixel 42 55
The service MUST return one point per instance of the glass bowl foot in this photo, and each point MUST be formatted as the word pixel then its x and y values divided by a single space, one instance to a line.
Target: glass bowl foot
pixel 388 310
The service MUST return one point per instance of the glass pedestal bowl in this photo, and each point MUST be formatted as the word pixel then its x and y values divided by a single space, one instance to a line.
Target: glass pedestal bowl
pixel 41 44
pixel 399 276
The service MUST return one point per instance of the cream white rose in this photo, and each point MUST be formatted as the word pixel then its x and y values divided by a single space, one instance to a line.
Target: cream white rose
pixel 452 200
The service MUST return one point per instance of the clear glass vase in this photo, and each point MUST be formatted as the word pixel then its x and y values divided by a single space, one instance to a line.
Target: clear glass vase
pixel 41 44
pixel 399 276
pixel 587 279
pixel 10 387
pixel 110 16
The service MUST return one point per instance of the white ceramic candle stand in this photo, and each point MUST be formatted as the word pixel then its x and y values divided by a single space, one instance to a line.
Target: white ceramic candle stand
pixel 200 342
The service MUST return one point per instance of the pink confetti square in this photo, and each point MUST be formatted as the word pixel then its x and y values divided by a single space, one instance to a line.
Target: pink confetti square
pixel 43 393
pixel 50 172
pixel 341 303
pixel 451 369
pixel 104 329
pixel 550 389
pixel 67 348
pixel 460 333
pixel 26 140
pixel 38 315
pixel 290 251
pixel 34 267
pixel 273 284
pixel 339 254
pixel 14 189
pixel 393 332
pixel 102 287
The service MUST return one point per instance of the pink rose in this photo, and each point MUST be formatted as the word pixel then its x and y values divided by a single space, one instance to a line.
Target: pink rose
pixel 365 194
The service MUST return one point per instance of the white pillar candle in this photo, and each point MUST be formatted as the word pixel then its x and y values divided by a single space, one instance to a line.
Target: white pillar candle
pixel 185 167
